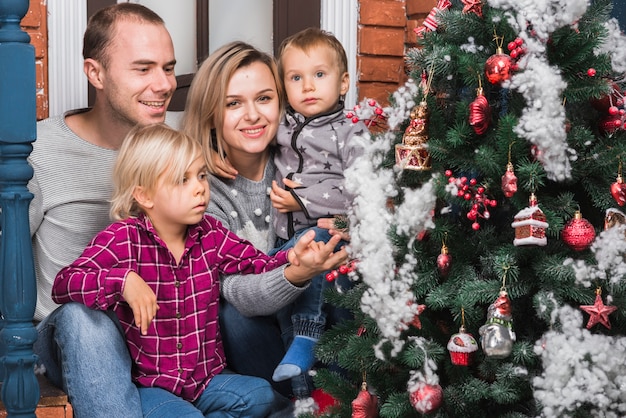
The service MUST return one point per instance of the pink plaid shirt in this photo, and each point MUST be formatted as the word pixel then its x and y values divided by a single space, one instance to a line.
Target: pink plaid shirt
pixel 183 348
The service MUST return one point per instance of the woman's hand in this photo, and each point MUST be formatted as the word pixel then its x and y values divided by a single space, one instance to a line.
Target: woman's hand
pixel 309 258
pixel 141 300
pixel 329 223
pixel 282 200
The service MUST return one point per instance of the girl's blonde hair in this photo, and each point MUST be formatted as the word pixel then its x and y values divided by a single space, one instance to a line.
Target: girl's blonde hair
pixel 206 99
pixel 149 152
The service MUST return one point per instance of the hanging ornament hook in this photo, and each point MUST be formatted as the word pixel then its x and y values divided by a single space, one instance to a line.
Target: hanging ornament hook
pixel 506 270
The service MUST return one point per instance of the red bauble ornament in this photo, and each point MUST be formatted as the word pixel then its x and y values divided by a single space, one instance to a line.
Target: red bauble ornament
pixel 599 312
pixel 480 113
pixel 427 398
pixel 509 181
pixel 365 405
pixel 578 233
pixel 618 191
pixel 498 67
pixel 443 261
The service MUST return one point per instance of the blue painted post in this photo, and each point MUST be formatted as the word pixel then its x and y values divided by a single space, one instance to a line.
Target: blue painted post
pixel 18 291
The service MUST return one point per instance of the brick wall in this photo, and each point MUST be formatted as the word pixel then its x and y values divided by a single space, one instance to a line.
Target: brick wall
pixel 385 32
pixel 35 24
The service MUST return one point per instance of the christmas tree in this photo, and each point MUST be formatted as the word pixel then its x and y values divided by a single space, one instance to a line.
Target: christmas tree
pixel 488 239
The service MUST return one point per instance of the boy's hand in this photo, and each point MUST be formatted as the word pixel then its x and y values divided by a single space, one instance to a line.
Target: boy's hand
pixel 329 223
pixel 309 258
pixel 141 300
pixel 282 200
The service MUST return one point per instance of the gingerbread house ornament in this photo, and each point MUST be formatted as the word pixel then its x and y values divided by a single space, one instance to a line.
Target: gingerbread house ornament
pixel 530 225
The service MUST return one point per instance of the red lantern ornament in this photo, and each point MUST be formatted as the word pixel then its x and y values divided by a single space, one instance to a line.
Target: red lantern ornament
pixel 480 113
pixel 426 398
pixel 618 188
pixel 498 67
pixel 599 312
pixel 365 405
pixel 509 181
pixel 444 260
pixel 578 233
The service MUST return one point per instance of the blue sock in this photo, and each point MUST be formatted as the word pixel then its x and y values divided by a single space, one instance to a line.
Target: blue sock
pixel 298 359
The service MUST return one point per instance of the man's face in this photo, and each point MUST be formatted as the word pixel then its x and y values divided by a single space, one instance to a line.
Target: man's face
pixel 138 81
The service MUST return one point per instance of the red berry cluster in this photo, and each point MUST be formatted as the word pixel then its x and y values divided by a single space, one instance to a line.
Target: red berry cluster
pixel 469 190
pixel 373 115
pixel 516 51
pixel 343 269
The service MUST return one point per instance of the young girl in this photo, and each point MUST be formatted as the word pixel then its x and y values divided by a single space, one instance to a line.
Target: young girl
pixel 157 267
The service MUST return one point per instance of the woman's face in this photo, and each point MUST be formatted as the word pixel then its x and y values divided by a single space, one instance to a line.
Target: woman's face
pixel 252 112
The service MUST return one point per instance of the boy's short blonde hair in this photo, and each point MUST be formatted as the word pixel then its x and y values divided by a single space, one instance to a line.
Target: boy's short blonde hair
pixel 149 152
pixel 311 38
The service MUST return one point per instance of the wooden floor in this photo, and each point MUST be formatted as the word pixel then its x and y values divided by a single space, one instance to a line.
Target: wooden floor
pixel 53 402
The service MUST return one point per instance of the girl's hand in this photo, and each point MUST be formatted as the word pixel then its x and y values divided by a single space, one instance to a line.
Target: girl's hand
pixel 141 300
pixel 309 258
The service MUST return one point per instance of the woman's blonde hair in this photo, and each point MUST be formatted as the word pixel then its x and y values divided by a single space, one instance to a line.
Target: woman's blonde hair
pixel 206 99
pixel 149 152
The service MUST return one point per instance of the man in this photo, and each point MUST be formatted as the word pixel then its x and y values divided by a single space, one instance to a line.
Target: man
pixel 129 60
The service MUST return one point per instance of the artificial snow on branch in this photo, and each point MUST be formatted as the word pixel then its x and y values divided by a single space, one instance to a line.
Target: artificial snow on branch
pixel 608 248
pixel 614 46
pixel 388 299
pixel 580 368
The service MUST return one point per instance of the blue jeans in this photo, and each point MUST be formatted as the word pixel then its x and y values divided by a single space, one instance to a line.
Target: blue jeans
pixel 307 314
pixel 84 352
pixel 253 345
pixel 227 395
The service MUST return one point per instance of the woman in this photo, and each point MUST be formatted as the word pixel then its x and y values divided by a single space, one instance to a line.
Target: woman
pixel 234 107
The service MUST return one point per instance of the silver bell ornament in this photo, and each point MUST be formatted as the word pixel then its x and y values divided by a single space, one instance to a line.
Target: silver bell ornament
pixel 497 336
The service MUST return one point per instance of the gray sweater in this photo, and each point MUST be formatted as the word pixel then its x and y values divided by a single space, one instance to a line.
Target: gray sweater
pixel 244 207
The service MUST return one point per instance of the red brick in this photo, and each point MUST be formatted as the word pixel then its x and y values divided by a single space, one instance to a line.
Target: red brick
pixel 382 13
pixel 387 69
pixel 411 25
pixel 419 6
pixel 377 91
pixel 381 41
